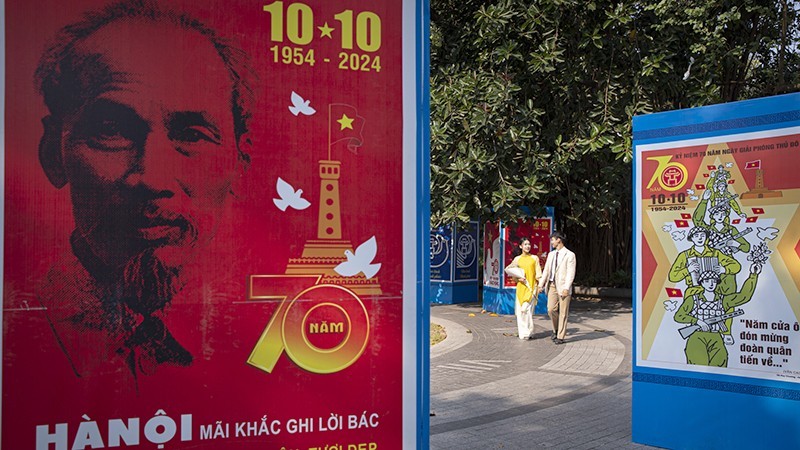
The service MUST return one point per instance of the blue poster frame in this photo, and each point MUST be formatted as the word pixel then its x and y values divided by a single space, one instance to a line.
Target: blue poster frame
pixel 421 326
pixel 769 410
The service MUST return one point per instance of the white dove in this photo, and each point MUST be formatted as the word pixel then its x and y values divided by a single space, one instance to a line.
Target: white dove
pixel 361 261
pixel 679 235
pixel 300 105
pixel 729 165
pixel 667 227
pixel 690 191
pixel 694 198
pixel 688 69
pixel 767 234
pixel 289 197
pixel 670 305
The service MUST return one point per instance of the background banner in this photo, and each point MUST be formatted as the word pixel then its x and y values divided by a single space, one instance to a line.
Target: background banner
pixel 491 254
pixel 442 253
pixel 210 235
pixel 538 230
pixel 466 253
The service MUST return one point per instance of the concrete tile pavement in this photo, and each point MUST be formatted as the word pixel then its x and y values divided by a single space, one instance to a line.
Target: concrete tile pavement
pixel 491 390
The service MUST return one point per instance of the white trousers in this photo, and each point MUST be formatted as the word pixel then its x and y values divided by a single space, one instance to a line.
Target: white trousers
pixel 524 320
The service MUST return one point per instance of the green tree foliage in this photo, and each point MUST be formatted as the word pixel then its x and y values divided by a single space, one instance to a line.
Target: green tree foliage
pixel 532 100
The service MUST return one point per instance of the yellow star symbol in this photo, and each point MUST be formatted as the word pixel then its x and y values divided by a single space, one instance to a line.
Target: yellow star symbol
pixel 325 30
pixel 345 122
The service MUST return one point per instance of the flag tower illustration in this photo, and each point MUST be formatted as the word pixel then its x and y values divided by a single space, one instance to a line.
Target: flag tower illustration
pixel 321 255
pixel 760 191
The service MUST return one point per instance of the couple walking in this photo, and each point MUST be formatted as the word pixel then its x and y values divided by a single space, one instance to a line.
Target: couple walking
pixel 555 279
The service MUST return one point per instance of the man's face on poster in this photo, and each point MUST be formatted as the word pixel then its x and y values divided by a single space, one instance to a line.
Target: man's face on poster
pixel 699 238
pixel 719 214
pixel 709 283
pixel 152 158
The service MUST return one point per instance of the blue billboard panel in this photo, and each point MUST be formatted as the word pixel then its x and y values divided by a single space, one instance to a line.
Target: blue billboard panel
pixel 441 253
pixel 465 250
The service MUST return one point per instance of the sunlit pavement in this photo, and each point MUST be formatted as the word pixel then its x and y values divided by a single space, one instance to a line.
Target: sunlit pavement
pixel 490 389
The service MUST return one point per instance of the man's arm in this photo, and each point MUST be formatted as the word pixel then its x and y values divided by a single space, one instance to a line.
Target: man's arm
pixel 748 289
pixel 743 246
pixel 545 271
pixel 699 215
pixel 678 271
pixel 736 208
pixel 683 314
pixel 570 275
pixel 730 264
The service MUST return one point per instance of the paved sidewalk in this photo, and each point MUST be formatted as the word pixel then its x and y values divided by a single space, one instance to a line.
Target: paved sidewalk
pixel 491 390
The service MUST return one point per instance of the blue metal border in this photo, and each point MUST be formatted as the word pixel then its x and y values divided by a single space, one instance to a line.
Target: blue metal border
pixel 423 223
pixel 746 116
pixel 634 260
pixel 726 383
pixel 754 123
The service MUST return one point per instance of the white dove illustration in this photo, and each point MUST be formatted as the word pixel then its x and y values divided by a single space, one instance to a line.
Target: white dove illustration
pixel 670 305
pixel 289 197
pixel 361 261
pixel 301 105
pixel 767 234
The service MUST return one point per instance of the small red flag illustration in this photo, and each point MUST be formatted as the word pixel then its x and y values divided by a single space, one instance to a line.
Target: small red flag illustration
pixel 681 223
pixel 699 187
pixel 345 125
pixel 686 216
pixel 736 221
pixel 751 219
pixel 709 167
pixel 705 175
pixel 672 292
pixel 758 210
pixel 753 164
pixel 731 181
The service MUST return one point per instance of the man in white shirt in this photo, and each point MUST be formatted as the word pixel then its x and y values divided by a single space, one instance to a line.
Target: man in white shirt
pixel 559 273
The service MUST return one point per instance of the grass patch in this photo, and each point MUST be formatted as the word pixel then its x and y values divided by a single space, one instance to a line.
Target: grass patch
pixel 437 334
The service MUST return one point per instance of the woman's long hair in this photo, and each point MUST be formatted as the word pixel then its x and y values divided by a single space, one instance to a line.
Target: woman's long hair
pixel 517 249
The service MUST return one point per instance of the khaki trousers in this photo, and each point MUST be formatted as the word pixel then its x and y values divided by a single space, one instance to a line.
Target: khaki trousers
pixel 558 310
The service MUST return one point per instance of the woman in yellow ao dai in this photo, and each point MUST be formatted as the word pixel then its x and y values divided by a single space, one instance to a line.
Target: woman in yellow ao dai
pixel 526 288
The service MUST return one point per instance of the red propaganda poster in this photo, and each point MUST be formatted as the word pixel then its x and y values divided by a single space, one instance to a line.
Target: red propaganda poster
pixel 491 254
pixel 212 213
pixel 537 230
pixel 719 220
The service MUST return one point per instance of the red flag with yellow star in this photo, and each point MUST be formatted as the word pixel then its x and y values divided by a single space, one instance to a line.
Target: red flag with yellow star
pixel 673 292
pixel 753 164
pixel 345 125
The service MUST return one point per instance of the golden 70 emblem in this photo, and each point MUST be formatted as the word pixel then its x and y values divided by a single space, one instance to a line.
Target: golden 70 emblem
pixel 670 175
pixel 323 328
